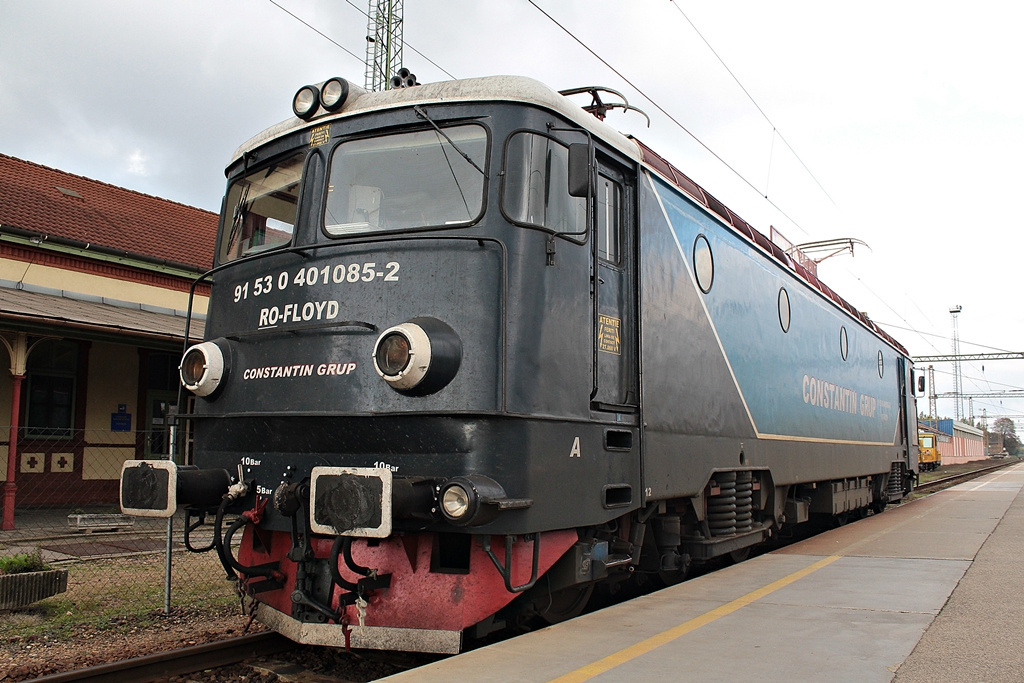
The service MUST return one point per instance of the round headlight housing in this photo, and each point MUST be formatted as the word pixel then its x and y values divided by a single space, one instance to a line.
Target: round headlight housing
pixel 202 368
pixel 418 357
pixel 333 93
pixel 470 500
pixel 306 102
pixel 455 502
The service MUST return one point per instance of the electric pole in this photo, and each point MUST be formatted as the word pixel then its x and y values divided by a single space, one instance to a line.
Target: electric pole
pixel 958 386
pixel 383 43
pixel 933 410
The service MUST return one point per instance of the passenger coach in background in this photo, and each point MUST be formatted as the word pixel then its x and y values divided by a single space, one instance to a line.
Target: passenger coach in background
pixel 471 352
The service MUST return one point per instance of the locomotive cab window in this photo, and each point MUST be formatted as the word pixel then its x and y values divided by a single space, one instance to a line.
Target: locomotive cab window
pixel 609 201
pixel 536 185
pixel 407 181
pixel 260 208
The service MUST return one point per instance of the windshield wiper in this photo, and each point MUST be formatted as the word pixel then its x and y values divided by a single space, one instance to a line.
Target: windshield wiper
pixel 423 115
pixel 239 214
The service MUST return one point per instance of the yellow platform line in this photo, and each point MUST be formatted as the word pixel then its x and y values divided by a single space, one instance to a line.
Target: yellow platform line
pixel 615 659
pixel 644 646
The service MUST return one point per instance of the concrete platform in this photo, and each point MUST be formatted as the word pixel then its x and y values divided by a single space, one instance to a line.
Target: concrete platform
pixel 927 591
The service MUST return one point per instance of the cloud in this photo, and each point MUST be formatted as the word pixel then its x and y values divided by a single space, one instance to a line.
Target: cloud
pixel 137 163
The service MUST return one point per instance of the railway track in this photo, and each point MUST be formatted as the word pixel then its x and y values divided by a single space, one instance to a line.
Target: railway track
pixel 179 662
pixel 954 479
pixel 256 652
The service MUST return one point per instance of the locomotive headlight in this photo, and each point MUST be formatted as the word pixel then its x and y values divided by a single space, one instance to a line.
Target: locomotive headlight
pixel 306 102
pixel 455 502
pixel 202 368
pixel 418 357
pixel 393 354
pixel 473 500
pixel 333 93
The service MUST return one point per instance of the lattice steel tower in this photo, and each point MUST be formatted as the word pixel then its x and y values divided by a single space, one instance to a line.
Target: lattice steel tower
pixel 958 381
pixel 933 411
pixel 383 43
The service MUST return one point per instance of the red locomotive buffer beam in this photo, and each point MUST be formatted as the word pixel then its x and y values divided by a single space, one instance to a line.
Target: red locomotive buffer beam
pixel 425 608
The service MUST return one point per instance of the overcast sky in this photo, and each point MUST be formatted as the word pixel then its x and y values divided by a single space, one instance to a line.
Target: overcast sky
pixel 909 116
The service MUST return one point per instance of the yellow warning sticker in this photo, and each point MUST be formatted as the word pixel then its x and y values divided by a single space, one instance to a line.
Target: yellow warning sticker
pixel 320 135
pixel 608 335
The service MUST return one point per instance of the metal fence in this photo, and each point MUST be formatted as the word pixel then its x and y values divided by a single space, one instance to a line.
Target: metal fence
pixel 66 511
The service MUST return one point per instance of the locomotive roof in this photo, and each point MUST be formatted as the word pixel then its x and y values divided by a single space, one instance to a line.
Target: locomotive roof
pixel 489 89
pixel 527 90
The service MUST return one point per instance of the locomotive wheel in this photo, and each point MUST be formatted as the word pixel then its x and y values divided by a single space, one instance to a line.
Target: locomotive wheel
pixel 567 603
pixel 670 578
pixel 740 555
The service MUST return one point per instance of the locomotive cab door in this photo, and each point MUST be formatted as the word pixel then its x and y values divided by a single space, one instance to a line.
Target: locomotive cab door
pixel 615 353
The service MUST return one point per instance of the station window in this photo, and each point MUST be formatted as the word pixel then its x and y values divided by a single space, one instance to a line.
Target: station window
pixel 51 371
pixel 161 395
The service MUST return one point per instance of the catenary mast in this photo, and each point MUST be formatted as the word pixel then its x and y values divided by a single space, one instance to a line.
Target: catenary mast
pixel 383 43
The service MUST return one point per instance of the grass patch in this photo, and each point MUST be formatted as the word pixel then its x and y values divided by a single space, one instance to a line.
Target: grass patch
pixel 118 594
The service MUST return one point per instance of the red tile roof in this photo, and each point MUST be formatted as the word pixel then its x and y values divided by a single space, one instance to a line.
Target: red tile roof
pixel 57 204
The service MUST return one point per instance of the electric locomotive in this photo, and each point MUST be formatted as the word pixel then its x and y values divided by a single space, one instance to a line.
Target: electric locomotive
pixel 471 352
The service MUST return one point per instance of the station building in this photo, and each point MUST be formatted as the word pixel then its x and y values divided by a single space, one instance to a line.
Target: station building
pixel 963 443
pixel 94 295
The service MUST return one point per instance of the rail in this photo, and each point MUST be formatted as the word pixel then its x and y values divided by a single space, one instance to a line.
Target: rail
pixel 944 482
pixel 179 662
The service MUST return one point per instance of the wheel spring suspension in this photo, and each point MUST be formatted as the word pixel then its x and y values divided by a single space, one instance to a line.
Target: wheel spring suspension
pixel 895 487
pixel 722 507
pixel 744 501
pixel 730 511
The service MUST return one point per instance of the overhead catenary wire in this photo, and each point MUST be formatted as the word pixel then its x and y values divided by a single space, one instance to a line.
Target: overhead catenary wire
pixel 315 29
pixel 776 132
pixel 362 60
pixel 405 43
pixel 715 155
pixel 666 114
pixel 944 337
pixel 977 379
pixel 775 129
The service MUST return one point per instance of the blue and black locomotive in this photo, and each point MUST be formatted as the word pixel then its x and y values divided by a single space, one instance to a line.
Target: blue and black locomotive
pixel 471 352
